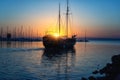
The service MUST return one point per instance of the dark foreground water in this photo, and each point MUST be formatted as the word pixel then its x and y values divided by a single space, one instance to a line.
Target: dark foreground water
pixel 22 61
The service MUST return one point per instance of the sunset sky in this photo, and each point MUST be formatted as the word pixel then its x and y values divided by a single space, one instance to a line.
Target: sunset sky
pixel 100 18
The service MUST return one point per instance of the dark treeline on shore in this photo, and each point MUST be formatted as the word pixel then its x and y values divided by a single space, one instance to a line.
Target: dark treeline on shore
pixel 22 33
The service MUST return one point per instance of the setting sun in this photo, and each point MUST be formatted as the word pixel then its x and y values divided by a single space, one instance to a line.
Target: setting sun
pixel 56 34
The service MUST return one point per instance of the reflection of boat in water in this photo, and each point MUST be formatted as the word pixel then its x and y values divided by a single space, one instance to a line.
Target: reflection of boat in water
pixel 57 40
pixel 52 52
pixel 59 63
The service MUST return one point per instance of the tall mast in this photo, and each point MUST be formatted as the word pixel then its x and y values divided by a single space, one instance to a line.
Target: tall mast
pixel 1 34
pixel 67 16
pixel 21 32
pixel 15 33
pixel 85 34
pixel 59 20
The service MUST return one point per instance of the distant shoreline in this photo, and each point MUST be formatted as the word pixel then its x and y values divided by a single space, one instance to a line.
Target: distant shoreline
pixel 100 38
pixel 21 39
pixel 40 39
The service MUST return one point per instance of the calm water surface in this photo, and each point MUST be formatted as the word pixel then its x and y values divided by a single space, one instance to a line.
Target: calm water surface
pixel 27 60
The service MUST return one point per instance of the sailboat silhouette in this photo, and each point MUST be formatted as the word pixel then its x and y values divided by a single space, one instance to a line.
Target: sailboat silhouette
pixel 58 41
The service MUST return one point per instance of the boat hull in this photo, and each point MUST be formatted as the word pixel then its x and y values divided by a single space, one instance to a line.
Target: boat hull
pixel 50 42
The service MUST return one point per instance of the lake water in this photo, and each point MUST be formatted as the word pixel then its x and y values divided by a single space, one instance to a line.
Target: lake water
pixel 22 61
